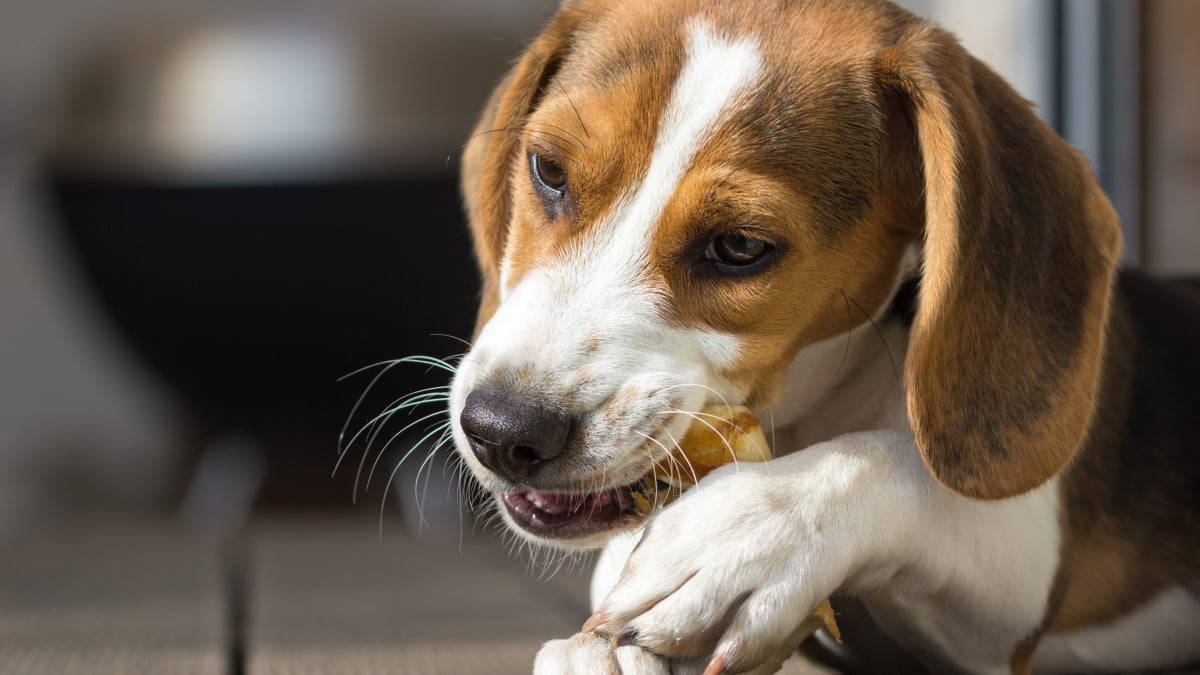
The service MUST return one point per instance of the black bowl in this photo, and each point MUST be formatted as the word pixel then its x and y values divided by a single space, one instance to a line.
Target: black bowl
pixel 251 301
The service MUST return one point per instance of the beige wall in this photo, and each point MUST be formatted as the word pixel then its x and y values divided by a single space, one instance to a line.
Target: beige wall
pixel 999 33
pixel 1172 136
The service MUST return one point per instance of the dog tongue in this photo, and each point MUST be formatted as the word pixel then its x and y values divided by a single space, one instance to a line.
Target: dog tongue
pixel 558 504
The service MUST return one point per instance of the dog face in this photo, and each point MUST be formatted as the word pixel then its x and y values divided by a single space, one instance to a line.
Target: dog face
pixel 670 202
pixel 686 214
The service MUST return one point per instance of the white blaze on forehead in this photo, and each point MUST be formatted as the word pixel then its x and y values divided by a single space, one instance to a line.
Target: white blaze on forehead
pixel 717 71
pixel 601 282
pixel 716 76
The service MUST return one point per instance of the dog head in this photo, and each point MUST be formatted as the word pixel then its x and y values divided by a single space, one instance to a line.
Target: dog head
pixel 671 200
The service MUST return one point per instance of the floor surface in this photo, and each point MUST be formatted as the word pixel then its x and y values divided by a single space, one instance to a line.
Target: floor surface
pixel 318 595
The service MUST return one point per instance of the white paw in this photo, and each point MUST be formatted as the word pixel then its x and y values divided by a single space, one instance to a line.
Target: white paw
pixel 591 654
pixel 727 573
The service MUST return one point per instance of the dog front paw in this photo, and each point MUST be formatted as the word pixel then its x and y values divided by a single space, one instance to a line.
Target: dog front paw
pixel 589 653
pixel 729 573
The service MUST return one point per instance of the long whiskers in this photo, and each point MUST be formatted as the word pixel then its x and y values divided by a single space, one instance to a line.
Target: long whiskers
pixel 686 460
pixel 429 361
pixel 699 417
pixel 849 334
pixel 523 131
pixel 387 488
pixel 430 433
pixel 542 58
pixel 435 436
pixel 373 426
pixel 673 465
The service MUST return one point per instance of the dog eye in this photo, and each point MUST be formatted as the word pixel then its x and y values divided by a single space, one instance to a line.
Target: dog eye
pixel 548 173
pixel 737 250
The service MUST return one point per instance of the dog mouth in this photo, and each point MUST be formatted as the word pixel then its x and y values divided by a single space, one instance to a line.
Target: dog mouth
pixel 571 515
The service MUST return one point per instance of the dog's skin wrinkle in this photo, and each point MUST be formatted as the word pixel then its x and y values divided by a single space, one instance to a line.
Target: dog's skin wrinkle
pixel 973 510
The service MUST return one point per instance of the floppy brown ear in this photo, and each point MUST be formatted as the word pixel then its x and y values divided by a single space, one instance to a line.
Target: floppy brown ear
pixel 487 158
pixel 1020 249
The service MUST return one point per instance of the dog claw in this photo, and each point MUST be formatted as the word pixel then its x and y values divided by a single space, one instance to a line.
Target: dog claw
pixel 594 621
pixel 716 666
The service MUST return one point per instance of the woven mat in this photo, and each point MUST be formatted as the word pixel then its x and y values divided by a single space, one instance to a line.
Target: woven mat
pixel 327 598
pixel 312 595
pixel 108 598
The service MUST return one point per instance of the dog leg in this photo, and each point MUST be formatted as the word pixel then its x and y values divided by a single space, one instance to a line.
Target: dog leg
pixel 726 573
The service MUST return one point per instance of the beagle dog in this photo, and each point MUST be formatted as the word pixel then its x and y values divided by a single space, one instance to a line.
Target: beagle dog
pixel 825 210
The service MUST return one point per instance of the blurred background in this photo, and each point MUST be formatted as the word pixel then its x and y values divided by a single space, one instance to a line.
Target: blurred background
pixel 211 211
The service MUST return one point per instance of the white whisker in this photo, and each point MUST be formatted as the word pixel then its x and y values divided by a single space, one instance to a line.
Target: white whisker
pixel 425 466
pixel 376 424
pixel 370 430
pixel 466 343
pixel 691 469
pixel 387 488
pixel 416 398
pixel 361 398
pixel 394 436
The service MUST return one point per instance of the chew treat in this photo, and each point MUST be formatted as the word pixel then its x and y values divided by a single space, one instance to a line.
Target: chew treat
pixel 822 617
pixel 719 435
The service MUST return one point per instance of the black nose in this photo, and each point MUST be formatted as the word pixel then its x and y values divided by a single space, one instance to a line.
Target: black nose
pixel 513 435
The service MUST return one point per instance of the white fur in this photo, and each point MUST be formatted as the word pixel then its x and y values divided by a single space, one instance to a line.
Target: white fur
pixel 1164 633
pixel 849 382
pixel 609 565
pixel 977 579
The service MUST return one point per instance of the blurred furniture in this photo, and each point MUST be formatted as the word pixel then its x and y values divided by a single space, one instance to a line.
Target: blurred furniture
pixel 265 205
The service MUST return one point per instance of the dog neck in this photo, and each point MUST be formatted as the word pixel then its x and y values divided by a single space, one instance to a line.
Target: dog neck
pixel 849 382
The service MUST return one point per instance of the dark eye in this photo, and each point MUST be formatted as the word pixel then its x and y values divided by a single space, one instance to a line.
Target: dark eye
pixel 548 173
pixel 737 250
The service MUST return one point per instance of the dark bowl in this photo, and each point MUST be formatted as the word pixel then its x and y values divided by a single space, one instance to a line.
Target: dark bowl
pixel 252 301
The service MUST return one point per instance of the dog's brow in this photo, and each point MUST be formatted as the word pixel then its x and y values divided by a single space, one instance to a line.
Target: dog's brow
pixel 716 74
pixel 717 77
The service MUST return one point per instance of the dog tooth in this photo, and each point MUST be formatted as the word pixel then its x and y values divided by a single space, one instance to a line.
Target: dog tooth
pixel 535 499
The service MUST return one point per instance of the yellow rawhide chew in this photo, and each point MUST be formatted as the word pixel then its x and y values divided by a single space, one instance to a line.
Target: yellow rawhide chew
pixel 719 435
pixel 822 617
